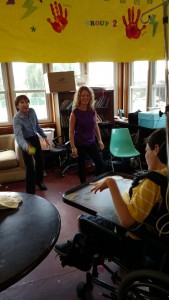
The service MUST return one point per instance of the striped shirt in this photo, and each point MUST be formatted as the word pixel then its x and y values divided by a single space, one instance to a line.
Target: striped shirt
pixel 145 196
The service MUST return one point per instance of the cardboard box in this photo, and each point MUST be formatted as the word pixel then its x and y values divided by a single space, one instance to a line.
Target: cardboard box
pixel 56 82
pixel 151 120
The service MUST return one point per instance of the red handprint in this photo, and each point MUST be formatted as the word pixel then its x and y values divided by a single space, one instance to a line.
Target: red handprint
pixel 132 30
pixel 60 21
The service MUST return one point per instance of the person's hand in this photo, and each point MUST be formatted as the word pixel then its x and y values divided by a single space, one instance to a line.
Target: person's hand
pixel 132 30
pixel 100 185
pixel 60 20
pixel 101 145
pixel 47 142
pixel 30 149
pixel 74 151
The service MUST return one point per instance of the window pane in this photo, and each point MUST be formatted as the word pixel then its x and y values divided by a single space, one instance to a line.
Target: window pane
pixel 138 86
pixel 57 67
pixel 160 72
pixel 101 74
pixel 138 96
pixel 64 67
pixel 158 88
pixel 140 73
pixel 28 79
pixel 28 76
pixel 38 102
pixel 1 80
pixel 3 109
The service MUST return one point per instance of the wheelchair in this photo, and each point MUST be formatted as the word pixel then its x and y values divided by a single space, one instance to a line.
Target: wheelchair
pixel 145 277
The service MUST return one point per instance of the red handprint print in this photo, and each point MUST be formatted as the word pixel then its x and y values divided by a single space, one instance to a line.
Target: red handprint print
pixel 60 21
pixel 132 30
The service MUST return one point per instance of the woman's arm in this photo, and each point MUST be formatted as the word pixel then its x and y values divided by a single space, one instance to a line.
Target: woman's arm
pixel 123 213
pixel 98 135
pixel 72 122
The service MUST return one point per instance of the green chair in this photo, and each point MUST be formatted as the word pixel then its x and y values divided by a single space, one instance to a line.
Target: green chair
pixel 121 145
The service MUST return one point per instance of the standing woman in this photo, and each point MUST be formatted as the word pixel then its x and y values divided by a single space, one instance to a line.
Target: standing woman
pixel 83 130
pixel 26 127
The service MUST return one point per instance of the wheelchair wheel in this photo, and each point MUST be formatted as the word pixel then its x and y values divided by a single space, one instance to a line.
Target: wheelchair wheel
pixel 144 285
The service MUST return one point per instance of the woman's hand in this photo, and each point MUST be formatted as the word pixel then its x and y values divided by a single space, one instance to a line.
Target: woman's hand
pixel 100 185
pixel 74 151
pixel 101 145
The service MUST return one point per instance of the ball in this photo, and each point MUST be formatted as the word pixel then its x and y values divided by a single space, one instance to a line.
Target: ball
pixel 32 150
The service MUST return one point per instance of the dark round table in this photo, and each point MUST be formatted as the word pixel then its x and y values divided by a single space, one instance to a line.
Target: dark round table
pixel 27 235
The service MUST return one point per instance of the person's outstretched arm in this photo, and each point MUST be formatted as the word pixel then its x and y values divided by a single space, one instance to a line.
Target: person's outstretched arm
pixel 123 213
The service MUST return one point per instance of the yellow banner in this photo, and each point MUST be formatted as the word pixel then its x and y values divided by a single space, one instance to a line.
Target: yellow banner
pixel 81 30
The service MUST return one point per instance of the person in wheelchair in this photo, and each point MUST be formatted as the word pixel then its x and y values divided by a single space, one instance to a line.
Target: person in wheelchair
pixel 143 203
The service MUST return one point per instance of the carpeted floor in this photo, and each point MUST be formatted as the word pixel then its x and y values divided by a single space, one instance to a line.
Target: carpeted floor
pixel 49 280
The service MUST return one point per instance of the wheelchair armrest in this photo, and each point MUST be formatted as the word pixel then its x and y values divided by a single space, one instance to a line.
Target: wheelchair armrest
pixel 96 229
pixel 120 233
pixel 55 141
pixel 57 137
pixel 67 143
pixel 161 243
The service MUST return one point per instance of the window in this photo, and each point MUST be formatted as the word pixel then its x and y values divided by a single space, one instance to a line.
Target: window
pixel 27 78
pixel 58 67
pixel 76 67
pixel 158 100
pixel 5 113
pixel 138 86
pixel 101 74
pixel 98 73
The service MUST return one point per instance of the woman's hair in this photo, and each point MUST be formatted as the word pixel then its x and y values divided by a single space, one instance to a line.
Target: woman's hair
pixel 77 96
pixel 20 98
pixel 158 137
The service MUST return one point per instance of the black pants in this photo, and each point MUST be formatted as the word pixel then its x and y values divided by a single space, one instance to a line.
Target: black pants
pixel 116 245
pixel 93 151
pixel 34 165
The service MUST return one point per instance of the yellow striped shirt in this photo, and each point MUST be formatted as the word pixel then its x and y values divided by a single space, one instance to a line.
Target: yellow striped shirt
pixel 145 195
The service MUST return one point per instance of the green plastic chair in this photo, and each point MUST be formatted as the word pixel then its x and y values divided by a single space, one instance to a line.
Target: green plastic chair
pixel 121 145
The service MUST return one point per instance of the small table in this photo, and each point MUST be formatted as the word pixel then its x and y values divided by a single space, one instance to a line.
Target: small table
pixel 100 203
pixel 27 235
